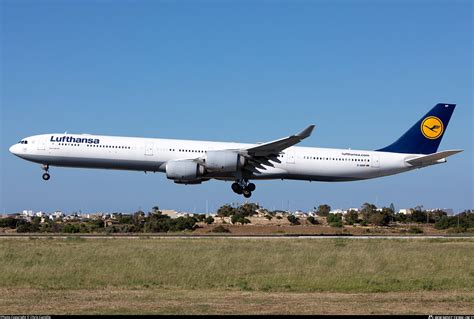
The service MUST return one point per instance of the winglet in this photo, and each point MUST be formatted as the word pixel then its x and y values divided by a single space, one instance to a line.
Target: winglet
pixel 306 132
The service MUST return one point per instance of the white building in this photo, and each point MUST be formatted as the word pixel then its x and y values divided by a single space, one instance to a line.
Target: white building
pixel 27 213
pixel 40 214
pixel 56 215
pixel 448 211
pixel 299 213
pixel 170 212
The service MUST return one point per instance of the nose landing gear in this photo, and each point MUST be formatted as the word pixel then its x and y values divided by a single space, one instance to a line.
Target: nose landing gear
pixel 243 187
pixel 46 175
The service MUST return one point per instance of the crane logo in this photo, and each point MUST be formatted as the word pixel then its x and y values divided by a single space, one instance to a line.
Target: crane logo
pixel 432 127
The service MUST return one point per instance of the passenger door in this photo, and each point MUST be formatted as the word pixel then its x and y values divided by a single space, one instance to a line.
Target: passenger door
pixel 375 160
pixel 290 157
pixel 41 146
pixel 149 149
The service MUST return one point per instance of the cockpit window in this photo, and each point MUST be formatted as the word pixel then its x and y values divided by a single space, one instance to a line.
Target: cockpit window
pixel 23 142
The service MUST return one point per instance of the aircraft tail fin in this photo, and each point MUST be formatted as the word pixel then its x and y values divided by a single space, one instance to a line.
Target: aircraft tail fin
pixel 424 137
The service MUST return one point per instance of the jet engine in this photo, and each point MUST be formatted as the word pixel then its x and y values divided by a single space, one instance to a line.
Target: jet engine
pixel 224 161
pixel 184 172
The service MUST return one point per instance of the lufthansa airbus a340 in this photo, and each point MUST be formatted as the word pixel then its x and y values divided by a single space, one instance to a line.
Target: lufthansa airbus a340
pixel 194 162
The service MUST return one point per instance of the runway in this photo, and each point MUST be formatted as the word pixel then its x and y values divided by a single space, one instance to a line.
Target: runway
pixel 182 236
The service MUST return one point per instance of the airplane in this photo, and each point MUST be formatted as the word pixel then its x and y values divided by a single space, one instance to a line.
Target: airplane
pixel 194 162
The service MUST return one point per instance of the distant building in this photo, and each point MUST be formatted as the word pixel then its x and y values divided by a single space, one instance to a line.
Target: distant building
pixel 58 214
pixel 406 211
pixel 299 213
pixel 94 216
pixel 169 212
pixel 448 211
pixel 40 214
pixel 222 220
pixel 312 214
pixel 27 213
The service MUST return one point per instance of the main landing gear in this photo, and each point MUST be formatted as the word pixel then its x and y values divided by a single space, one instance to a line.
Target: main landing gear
pixel 46 175
pixel 243 187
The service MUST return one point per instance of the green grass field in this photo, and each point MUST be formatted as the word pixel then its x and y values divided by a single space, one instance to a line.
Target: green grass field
pixel 225 275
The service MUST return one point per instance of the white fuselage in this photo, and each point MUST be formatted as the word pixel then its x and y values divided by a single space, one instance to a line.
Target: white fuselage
pixel 152 154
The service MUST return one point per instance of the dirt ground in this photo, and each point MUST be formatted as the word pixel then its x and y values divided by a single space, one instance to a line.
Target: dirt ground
pixel 256 228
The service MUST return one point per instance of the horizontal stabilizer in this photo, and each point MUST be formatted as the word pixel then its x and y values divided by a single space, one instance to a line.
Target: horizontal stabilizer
pixel 432 158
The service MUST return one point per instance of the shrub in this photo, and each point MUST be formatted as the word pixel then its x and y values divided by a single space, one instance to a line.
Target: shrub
pixel 23 228
pixel 323 210
pixel 96 224
pixel 226 211
pixel 123 219
pixel 239 219
pixel 209 220
pixel 415 230
pixel 293 220
pixel 200 217
pixel 220 229
pixel 8 222
pixel 351 217
pixel 332 218
pixel 71 228
pixel 269 217
pixel 248 209
pixel 457 230
pixel 336 223
pixel 158 223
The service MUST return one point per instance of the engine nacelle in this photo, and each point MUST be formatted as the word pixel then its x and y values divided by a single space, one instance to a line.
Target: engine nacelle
pixel 184 172
pixel 224 161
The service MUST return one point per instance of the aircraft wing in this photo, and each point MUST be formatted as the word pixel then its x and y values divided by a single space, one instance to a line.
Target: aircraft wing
pixel 275 147
pixel 262 155
pixel 431 159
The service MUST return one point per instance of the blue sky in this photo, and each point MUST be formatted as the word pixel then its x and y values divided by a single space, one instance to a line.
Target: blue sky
pixel 249 71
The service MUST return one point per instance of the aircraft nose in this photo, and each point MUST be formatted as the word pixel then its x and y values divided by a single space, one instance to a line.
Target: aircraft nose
pixel 14 149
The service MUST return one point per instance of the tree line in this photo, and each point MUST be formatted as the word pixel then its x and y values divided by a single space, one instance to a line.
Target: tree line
pixel 156 222
pixel 139 222
pixel 371 215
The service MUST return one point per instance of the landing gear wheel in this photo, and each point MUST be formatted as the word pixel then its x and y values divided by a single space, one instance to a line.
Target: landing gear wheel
pixel 46 176
pixel 247 193
pixel 251 187
pixel 236 188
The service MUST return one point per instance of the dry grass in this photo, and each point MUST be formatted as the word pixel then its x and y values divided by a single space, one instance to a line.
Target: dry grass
pixel 179 301
pixel 236 276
